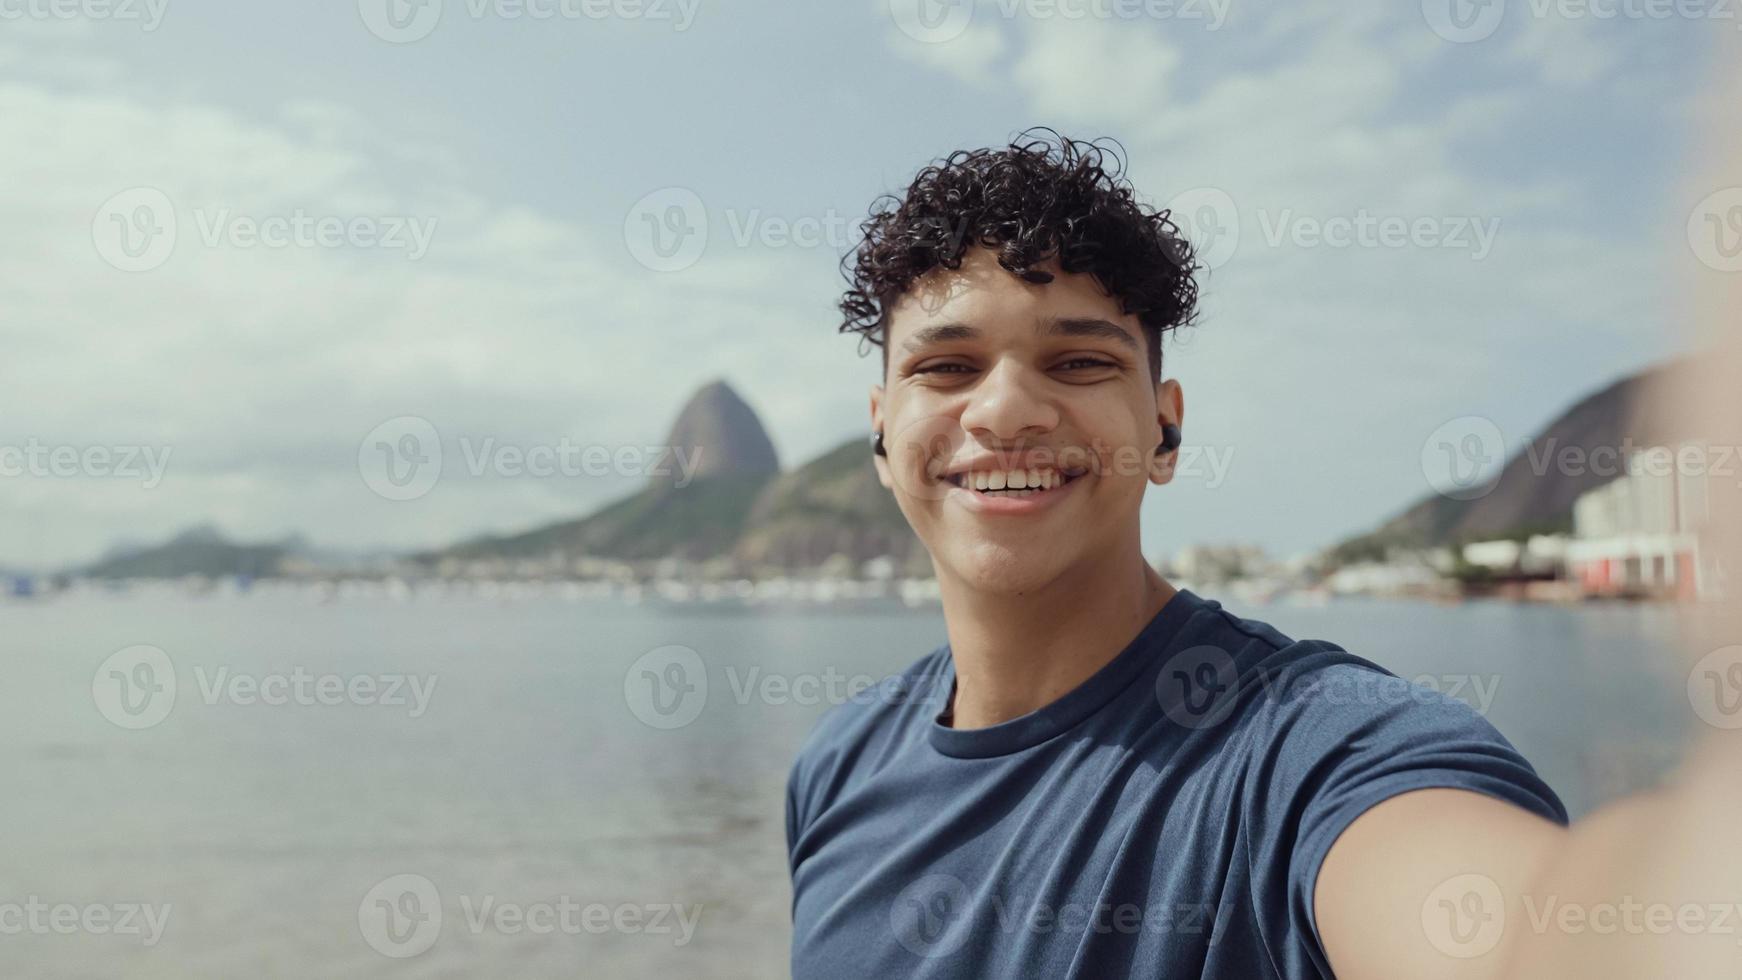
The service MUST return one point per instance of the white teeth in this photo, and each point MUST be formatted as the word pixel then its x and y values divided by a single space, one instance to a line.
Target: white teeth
pixel 1016 483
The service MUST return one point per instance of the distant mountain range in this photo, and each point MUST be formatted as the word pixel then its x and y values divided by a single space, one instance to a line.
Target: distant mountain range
pixel 1533 493
pixel 199 550
pixel 740 508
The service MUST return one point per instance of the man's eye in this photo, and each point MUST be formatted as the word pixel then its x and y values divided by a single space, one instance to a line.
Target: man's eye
pixel 1092 362
pixel 942 368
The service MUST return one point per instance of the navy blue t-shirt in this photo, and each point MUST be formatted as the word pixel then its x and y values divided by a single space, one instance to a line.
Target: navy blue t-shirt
pixel 1167 818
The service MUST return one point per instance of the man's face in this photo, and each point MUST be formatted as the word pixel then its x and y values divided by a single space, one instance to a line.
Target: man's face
pixel 990 376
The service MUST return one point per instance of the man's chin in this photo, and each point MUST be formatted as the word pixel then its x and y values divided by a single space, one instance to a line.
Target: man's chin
pixel 1006 567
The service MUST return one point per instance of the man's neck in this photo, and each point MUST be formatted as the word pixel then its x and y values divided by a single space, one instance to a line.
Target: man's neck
pixel 1017 653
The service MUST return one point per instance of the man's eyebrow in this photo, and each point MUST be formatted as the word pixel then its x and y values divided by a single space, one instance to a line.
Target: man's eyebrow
pixel 1070 326
pixel 1088 326
pixel 942 333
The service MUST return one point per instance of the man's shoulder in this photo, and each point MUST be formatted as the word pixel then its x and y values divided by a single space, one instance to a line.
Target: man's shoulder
pixel 1245 651
pixel 872 722
pixel 1246 668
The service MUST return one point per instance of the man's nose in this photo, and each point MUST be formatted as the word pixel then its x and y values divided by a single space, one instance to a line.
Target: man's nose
pixel 1008 402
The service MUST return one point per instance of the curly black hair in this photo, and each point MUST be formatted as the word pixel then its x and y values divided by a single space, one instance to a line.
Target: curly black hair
pixel 1041 197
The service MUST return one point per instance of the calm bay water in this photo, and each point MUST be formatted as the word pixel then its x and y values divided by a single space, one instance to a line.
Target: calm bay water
pixel 529 780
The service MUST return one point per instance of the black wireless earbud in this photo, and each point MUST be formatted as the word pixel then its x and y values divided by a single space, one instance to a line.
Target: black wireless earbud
pixel 1170 438
pixel 877 444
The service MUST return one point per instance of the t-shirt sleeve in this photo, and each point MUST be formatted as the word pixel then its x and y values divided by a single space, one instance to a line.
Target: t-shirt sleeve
pixel 1345 738
pixel 791 820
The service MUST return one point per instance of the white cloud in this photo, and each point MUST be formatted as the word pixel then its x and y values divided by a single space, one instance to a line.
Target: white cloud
pixel 262 368
pixel 1094 71
pixel 969 57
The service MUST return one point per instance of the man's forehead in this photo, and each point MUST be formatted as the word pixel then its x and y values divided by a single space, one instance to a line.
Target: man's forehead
pixel 982 299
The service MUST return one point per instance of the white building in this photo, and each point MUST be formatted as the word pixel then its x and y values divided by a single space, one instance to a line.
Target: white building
pixel 1640 533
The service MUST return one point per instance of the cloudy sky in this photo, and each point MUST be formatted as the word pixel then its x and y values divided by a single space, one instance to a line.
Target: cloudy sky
pixel 253 251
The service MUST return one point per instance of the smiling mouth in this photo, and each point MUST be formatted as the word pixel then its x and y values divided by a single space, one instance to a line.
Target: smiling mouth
pixel 1014 483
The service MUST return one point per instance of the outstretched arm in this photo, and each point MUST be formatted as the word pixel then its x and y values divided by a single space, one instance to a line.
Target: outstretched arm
pixel 1447 883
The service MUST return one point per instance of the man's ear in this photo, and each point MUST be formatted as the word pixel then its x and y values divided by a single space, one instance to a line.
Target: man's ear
pixel 1170 402
pixel 881 462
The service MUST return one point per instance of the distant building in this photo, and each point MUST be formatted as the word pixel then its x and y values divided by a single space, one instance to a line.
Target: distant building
pixel 1639 534
pixel 1497 555
pixel 1386 579
pixel 1539 556
pixel 1216 564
